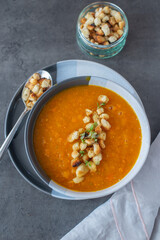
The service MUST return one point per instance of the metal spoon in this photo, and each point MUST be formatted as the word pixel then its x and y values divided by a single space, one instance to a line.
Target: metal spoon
pixel 6 143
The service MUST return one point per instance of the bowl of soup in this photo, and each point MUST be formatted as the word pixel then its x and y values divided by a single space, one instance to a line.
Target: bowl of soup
pixel 87 137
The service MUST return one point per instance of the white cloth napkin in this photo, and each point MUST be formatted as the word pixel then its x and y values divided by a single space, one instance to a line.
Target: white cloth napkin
pixel 131 212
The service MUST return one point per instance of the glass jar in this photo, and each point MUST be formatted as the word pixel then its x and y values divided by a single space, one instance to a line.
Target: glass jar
pixel 96 50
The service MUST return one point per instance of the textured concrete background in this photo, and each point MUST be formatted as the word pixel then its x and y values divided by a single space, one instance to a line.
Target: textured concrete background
pixel 38 33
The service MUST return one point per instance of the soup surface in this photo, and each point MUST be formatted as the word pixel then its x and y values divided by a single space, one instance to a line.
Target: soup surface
pixel 63 114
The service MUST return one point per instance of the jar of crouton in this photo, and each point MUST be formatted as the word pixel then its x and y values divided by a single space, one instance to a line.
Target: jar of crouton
pixel 102 29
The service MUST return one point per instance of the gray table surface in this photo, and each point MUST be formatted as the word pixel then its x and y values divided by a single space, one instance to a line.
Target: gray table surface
pixel 34 34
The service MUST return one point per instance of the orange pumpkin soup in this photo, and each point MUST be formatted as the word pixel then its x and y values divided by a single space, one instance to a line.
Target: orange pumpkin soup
pixel 63 114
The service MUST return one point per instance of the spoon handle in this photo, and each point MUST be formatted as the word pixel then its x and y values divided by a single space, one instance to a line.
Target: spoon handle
pixel 12 133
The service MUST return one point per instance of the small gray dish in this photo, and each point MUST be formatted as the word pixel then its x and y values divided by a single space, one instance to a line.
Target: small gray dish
pixel 77 81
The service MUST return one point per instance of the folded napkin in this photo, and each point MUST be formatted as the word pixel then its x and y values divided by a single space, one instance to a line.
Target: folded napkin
pixel 131 212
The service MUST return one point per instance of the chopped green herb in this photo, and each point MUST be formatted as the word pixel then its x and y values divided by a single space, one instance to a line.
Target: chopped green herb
pixel 93 135
pixel 100 105
pixel 82 153
pixel 93 126
pixel 95 139
pixel 103 104
pixel 82 136
pixel 90 134
pixel 87 163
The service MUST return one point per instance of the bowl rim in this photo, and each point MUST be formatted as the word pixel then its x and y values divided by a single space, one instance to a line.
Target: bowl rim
pixel 105 47
pixel 127 178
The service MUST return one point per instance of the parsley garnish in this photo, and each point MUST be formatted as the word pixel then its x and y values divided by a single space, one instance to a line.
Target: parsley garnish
pixel 103 104
pixel 87 163
pixel 82 153
pixel 100 105
pixel 89 133
pixel 82 136
pixel 93 126
pixel 93 135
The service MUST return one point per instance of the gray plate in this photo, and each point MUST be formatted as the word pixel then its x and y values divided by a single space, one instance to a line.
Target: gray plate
pixel 59 72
